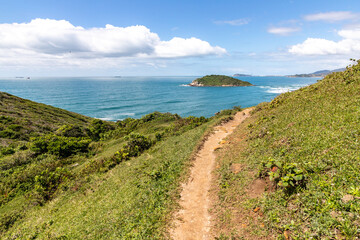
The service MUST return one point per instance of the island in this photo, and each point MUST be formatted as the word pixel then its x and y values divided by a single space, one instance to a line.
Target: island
pixel 218 81
pixel 241 75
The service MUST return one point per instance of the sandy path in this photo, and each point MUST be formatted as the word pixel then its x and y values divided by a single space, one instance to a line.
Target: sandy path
pixel 193 220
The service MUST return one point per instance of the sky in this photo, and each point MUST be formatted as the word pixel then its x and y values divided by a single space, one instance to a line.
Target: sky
pixel 176 38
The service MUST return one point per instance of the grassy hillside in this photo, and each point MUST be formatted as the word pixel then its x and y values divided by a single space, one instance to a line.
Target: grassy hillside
pixel 218 81
pixel 22 119
pixel 72 177
pixel 299 157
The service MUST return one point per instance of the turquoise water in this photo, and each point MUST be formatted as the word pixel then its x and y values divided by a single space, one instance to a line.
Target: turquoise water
pixel 115 98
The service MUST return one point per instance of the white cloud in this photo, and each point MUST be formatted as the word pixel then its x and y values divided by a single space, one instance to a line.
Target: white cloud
pixel 180 47
pixel 332 16
pixel 353 33
pixel 235 22
pixel 47 40
pixel 283 30
pixel 349 45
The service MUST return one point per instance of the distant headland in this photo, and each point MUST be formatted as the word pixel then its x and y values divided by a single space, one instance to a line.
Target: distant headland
pixel 321 73
pixel 241 75
pixel 218 81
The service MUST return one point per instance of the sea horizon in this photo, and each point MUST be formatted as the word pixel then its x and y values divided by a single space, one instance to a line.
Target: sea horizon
pixel 116 98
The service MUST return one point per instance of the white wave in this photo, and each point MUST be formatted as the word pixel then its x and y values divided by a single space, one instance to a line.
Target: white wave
pixel 116 117
pixel 184 85
pixel 279 90
pixel 106 119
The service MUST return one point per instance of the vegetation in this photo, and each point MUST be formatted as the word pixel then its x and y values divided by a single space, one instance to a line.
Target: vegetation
pixel 218 81
pixel 66 176
pixel 302 151
pixel 289 171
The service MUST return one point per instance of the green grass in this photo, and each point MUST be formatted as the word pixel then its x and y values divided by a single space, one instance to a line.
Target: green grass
pixel 313 132
pixel 132 201
pixel 83 178
pixel 219 80
pixel 24 118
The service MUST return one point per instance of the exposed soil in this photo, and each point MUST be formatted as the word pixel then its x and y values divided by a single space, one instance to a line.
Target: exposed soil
pixel 193 221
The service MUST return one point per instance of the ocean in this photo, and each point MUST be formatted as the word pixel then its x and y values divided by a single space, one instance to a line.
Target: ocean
pixel 117 98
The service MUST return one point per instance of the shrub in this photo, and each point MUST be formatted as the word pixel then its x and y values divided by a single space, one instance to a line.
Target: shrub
pixel 59 145
pixel 8 219
pixel 47 182
pixel 137 144
pixel 8 133
pixel 15 127
pixel 97 128
pixel 160 117
pixel 6 119
pixel 71 131
pixel 6 150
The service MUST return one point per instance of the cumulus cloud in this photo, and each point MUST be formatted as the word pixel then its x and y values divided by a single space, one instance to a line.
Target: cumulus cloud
pixel 332 16
pixel 180 47
pixel 235 22
pixel 349 45
pixel 59 39
pixel 283 30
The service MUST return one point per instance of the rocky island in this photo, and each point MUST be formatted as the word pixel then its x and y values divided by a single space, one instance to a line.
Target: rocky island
pixel 218 81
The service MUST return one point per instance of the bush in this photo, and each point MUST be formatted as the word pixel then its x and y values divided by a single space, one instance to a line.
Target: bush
pixel 59 145
pixel 6 120
pixel 47 183
pixel 97 128
pixel 166 117
pixel 137 144
pixel 71 131
pixel 8 133
pixel 6 150
pixel 8 219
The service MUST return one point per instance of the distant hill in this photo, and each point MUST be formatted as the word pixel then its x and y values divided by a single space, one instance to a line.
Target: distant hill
pixel 241 75
pixel 321 73
pixel 218 81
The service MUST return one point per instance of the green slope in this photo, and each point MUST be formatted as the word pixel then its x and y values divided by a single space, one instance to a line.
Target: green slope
pixel 73 177
pixel 21 118
pixel 218 81
pixel 306 146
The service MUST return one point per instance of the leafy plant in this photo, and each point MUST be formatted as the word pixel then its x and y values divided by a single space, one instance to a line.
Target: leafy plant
pixel 48 181
pixel 59 145
pixel 286 175
pixel 97 128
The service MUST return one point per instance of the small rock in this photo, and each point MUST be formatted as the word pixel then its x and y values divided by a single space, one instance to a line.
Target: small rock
pixel 347 198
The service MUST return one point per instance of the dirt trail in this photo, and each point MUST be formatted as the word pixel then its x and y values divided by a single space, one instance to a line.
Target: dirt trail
pixel 193 220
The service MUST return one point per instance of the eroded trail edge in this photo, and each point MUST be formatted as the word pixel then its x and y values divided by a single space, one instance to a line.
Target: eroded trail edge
pixel 193 221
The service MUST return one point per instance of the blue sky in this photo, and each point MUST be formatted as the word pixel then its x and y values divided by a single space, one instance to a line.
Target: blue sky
pixel 70 38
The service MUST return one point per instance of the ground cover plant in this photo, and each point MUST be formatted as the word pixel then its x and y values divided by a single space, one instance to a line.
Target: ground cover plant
pixel 304 147
pixel 82 178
